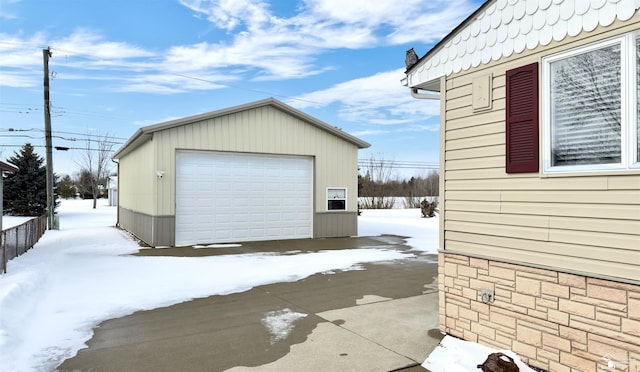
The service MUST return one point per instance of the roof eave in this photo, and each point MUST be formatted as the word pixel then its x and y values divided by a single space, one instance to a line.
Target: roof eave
pixel 442 42
pixel 6 167
pixel 145 133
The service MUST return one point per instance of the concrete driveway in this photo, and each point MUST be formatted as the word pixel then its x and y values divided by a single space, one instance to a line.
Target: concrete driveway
pixel 381 318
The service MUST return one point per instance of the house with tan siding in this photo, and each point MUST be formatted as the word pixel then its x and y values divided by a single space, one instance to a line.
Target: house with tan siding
pixel 540 180
pixel 253 172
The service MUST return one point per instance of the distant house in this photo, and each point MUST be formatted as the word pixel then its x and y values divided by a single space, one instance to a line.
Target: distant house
pixel 540 179
pixel 258 171
pixel 112 190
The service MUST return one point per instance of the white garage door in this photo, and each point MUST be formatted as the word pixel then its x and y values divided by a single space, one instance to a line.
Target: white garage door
pixel 232 197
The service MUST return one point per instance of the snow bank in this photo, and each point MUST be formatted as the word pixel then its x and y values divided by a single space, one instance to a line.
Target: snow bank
pixel 422 232
pixel 455 355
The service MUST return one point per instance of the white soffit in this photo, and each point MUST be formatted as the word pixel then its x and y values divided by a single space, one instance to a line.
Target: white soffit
pixel 511 26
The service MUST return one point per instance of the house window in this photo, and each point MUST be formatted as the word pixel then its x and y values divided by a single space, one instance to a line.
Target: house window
pixel 591 107
pixel 337 198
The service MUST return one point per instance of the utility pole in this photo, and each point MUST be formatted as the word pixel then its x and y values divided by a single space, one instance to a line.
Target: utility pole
pixel 46 53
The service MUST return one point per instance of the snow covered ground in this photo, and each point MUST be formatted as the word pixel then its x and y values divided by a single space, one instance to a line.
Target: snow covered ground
pixel 80 275
pixel 13 221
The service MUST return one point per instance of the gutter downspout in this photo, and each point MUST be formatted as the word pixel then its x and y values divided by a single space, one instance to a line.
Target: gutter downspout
pixel 118 186
pixel 415 94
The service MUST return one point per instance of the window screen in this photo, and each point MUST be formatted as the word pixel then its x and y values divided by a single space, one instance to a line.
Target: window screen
pixel 586 108
pixel 336 199
pixel 638 97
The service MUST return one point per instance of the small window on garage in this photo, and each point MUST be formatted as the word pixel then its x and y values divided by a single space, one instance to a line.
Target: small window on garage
pixel 336 198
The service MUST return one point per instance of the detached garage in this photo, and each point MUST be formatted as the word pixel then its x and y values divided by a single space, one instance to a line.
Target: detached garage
pixel 259 171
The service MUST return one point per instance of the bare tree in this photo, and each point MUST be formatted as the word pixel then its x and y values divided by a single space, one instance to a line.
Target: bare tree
pixel 377 174
pixel 95 163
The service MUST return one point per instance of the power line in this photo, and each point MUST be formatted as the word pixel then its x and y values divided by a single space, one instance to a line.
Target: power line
pixel 364 163
pixel 22 108
pixel 59 148
pixel 99 136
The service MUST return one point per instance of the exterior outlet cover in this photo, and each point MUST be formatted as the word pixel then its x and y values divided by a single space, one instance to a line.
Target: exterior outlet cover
pixel 487 295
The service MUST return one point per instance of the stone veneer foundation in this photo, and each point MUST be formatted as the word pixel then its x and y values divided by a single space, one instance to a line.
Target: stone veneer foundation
pixel 555 321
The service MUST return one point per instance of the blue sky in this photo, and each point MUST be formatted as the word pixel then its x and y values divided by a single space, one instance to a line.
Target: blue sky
pixel 121 64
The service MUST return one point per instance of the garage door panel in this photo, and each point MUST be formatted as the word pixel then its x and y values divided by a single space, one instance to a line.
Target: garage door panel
pixel 226 197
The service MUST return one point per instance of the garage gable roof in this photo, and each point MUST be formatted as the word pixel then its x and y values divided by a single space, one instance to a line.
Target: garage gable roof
pixel 500 28
pixel 145 133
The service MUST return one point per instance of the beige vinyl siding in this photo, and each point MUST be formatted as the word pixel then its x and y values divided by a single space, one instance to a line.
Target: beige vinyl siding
pixel 137 180
pixel 262 130
pixel 588 223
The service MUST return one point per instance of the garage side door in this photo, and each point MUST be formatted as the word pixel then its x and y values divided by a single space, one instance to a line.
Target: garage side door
pixel 232 197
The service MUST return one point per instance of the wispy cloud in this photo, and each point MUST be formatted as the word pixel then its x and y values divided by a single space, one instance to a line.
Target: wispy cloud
pixel 378 99
pixel 262 44
pixel 288 47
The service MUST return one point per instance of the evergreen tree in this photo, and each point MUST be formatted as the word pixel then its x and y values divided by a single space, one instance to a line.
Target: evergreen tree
pixel 66 188
pixel 25 193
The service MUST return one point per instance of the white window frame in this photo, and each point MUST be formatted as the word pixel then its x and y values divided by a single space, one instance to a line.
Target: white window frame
pixel 329 198
pixel 629 111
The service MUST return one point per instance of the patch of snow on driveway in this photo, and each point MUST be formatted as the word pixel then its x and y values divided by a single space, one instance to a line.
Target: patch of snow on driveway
pixel 280 323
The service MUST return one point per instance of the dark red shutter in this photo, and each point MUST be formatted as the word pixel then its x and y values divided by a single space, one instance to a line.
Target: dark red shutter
pixel 522 119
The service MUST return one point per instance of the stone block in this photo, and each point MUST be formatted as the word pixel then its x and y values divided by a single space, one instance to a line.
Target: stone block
pixel 634 308
pixel 602 346
pixel 558 367
pixel 466 271
pixel 482 330
pixel 542 364
pixel 523 300
pixel 592 325
pixel 451 310
pixel 504 340
pixel 558 317
pixel 600 303
pixel 528 286
pixel 556 342
pixel 605 317
pixel 612 284
pixel 545 303
pixel 529 336
pixel 469 293
pixel 478 284
pixel 479 307
pixel 555 290
pixel 523 349
pixel 571 280
pixel 537 314
pixel 450 269
pixel 607 293
pixel 448 281
pixel 469 314
pixel 576 362
pixel 514 308
pixel 573 307
pixel 549 354
pixel 461 282
pixel 573 334
pixel 501 272
pixel 479 263
pixel 506 320
pixel 470 336
pixel 631 327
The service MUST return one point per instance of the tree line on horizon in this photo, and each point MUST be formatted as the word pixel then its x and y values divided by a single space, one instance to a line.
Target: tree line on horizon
pixel 378 187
